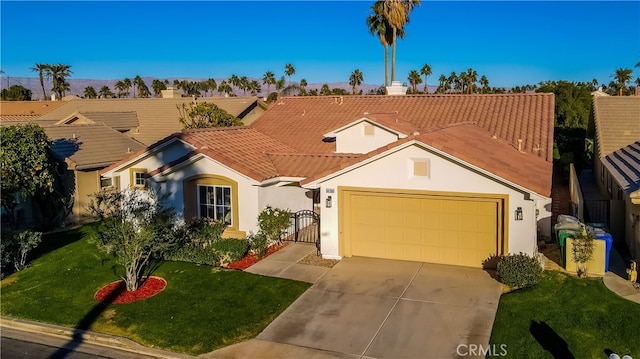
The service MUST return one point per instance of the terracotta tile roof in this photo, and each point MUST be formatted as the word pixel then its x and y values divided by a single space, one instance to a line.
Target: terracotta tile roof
pixel 28 107
pixel 305 165
pixel 617 122
pixel 624 166
pixel 300 122
pixel 157 117
pixel 241 148
pixel 478 147
pixel 91 146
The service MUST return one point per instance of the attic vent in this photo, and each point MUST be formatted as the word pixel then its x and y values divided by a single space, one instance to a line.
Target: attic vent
pixel 494 136
pixel 128 149
pixel 536 147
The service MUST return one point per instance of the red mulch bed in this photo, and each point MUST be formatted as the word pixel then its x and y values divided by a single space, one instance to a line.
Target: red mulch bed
pixel 251 259
pixel 150 287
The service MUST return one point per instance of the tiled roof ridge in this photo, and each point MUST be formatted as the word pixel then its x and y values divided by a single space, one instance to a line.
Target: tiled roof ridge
pixel 519 94
pixel 82 112
pixel 215 129
pixel 302 154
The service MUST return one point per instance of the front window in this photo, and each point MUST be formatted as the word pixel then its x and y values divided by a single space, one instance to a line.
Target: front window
pixel 215 202
pixel 139 179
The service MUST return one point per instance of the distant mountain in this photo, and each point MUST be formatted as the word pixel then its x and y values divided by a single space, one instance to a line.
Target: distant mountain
pixel 77 86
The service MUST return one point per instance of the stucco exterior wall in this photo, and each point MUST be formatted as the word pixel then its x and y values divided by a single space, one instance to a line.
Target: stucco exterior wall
pixel 87 183
pixel 354 140
pixel 154 160
pixel 290 197
pixel 396 171
pixel 247 190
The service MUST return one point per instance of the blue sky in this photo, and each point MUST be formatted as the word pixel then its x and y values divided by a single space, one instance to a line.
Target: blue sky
pixel 511 42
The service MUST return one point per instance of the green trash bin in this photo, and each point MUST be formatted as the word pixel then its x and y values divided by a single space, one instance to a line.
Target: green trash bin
pixel 563 234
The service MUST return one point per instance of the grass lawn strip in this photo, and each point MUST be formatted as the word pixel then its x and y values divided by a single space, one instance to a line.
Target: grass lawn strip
pixel 564 314
pixel 201 308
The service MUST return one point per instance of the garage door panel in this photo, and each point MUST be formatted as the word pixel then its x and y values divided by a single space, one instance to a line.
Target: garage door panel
pixel 421 227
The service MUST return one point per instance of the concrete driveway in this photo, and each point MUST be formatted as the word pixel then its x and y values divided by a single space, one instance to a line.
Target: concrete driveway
pixel 376 308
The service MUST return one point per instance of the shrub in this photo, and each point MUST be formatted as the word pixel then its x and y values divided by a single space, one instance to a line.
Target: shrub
pixel 201 231
pixel 519 270
pixel 14 248
pixel 228 250
pixel 273 222
pixel 193 254
pixel 259 244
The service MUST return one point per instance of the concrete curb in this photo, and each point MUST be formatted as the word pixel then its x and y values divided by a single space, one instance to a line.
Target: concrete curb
pixel 83 336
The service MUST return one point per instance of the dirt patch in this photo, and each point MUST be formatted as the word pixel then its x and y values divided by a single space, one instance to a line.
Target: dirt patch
pixel 552 256
pixel 316 260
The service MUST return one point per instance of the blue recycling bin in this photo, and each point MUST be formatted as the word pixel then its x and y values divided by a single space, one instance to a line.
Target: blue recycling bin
pixel 604 236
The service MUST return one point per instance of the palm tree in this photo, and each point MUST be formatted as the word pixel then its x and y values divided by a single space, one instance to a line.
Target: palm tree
pixel 442 84
pixel 289 70
pixel 355 80
pixel 234 81
pixel 452 81
pixel 157 87
pixel 42 74
pixel 484 82
pixel 426 71
pixel 127 85
pixel 210 86
pixel 105 92
pixel 397 14
pixel 244 85
pixel 378 25
pixel 303 87
pixel 254 87
pixel 90 92
pixel 471 77
pixel 139 83
pixel 58 74
pixel 224 87
pixel 414 79
pixel 622 76
pixel 120 87
pixel 269 79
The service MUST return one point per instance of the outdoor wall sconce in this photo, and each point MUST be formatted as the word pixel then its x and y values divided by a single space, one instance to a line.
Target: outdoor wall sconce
pixel 328 202
pixel 519 214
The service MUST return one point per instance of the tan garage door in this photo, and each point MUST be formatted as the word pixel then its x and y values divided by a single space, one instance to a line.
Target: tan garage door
pixel 459 229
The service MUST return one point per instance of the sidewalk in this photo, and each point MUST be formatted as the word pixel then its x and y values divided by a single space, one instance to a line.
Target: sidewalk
pixel 75 335
pixel 616 278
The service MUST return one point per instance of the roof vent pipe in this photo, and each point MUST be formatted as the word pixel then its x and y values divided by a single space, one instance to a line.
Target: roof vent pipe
pixel 520 144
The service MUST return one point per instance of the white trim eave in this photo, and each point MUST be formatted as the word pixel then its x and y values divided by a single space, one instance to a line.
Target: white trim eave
pixel 146 154
pixel 192 160
pixel 280 181
pixel 360 120
pixel 317 183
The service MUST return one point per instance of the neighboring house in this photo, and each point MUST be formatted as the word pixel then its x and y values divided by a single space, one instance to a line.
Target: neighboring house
pixel 146 120
pixel 450 179
pixel 616 169
pixel 87 149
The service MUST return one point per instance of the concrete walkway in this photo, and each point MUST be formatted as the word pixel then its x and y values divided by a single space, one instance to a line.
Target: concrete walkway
pixel 616 278
pixel 284 264
pixel 376 308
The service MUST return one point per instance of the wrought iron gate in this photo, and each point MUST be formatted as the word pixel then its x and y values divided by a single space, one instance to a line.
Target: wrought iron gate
pixel 304 227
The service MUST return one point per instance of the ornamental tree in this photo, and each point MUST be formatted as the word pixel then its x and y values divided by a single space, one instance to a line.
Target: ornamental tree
pixel 205 115
pixel 136 227
pixel 27 166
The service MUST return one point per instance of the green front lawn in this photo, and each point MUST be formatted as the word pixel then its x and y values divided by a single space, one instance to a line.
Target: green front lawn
pixel 566 317
pixel 201 309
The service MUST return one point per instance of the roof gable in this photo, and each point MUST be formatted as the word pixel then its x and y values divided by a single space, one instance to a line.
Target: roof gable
pixel 301 122
pixel 617 122
pixel 157 118
pixel 624 166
